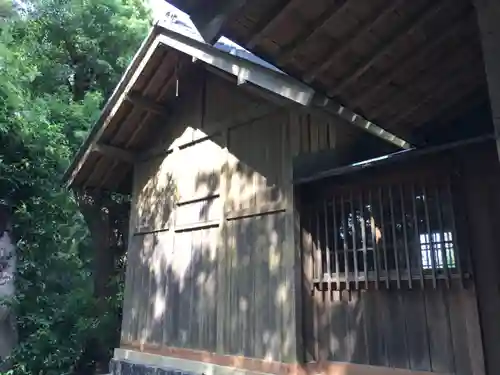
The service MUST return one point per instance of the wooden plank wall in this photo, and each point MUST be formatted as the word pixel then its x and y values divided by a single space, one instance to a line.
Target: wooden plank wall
pixel 212 261
pixel 407 329
pixel 435 330
pixel 482 200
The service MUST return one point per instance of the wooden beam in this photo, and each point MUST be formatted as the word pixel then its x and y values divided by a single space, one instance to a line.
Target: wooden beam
pixel 438 90
pixel 125 85
pixel 423 16
pixel 446 63
pixel 91 175
pixel 115 153
pixel 257 74
pixel 262 28
pixel 423 115
pixel 449 113
pixel 411 58
pixel 488 16
pixel 322 106
pixel 146 118
pixel 329 106
pixel 255 90
pixel 147 104
pixel 288 52
pixel 432 95
pixel 344 45
pixel 116 182
pixel 474 98
pixel 105 178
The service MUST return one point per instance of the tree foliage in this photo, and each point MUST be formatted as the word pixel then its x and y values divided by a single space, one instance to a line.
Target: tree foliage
pixel 59 61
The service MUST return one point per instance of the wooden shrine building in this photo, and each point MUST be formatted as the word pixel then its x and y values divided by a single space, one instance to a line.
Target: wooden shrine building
pixel 335 215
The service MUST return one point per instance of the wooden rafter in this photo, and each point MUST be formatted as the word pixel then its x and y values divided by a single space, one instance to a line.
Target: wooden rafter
pixel 450 112
pixel 112 107
pixel 410 59
pixel 150 107
pixel 347 42
pixel 463 103
pixel 115 153
pixel 289 51
pixel 451 62
pixel 437 104
pixel 107 175
pixel 146 118
pixel 424 15
pixel 97 169
pixel 263 27
pixel 439 89
pixel 147 104
pixel 419 98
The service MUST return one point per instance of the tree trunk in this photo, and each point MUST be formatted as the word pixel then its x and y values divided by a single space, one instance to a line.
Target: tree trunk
pixel 105 218
pixel 8 334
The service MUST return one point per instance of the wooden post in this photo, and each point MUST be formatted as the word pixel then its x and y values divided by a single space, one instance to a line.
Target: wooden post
pixel 488 14
pixel 7 268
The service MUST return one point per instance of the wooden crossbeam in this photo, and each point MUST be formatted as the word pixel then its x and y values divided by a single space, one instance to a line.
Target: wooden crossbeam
pixel 338 50
pixel 262 28
pixel 420 19
pixel 404 66
pixel 289 51
pixel 147 104
pixel 115 153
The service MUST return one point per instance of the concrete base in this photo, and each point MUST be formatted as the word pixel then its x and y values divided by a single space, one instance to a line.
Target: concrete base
pixel 131 362
pixel 123 367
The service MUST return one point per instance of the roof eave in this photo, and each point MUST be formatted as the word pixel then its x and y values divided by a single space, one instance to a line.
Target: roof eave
pixel 271 80
pixel 109 108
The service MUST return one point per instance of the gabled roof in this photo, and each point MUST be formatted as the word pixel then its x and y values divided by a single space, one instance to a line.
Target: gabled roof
pixel 114 142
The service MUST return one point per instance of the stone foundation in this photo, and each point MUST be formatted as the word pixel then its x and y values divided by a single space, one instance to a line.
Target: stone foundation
pixel 123 367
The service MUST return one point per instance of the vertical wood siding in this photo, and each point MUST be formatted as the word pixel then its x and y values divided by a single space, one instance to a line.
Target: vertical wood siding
pixel 421 326
pixel 258 291
pixel 481 198
pixel 212 260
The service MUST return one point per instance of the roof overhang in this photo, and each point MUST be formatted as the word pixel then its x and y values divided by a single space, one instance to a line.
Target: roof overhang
pixel 410 66
pixel 164 45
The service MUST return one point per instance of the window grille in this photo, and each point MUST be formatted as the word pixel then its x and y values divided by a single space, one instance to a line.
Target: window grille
pixel 382 236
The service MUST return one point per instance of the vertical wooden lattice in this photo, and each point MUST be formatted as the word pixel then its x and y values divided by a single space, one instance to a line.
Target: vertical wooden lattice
pixel 391 235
